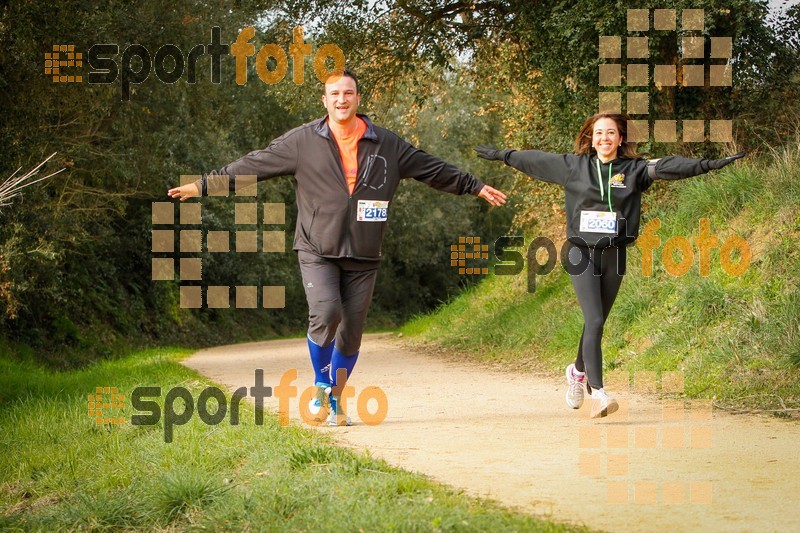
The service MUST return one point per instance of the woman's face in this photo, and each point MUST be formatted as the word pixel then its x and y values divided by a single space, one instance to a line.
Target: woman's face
pixel 606 139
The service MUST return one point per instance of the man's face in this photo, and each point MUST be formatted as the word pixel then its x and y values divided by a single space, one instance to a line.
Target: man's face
pixel 341 99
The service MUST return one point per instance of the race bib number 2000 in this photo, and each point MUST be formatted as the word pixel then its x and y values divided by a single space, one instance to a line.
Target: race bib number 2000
pixel 598 222
pixel 372 211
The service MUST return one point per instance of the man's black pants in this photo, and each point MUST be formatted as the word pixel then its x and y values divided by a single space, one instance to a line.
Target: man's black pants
pixel 339 292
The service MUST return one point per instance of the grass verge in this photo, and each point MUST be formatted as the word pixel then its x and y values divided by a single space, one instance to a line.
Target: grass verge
pixel 60 471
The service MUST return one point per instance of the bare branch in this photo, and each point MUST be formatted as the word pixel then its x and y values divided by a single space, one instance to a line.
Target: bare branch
pixel 13 186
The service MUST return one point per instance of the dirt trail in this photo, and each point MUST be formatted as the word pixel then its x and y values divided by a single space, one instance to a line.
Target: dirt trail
pixel 511 437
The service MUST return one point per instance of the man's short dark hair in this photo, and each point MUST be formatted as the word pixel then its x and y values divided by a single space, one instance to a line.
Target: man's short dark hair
pixel 350 74
pixel 347 73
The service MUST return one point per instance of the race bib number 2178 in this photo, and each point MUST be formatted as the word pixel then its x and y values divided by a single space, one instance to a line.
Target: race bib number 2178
pixel 372 211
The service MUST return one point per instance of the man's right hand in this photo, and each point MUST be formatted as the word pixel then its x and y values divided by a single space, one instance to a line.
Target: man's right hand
pixel 184 192
pixel 492 154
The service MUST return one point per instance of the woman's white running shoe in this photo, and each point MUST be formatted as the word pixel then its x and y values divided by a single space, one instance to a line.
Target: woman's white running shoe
pixel 574 389
pixel 602 404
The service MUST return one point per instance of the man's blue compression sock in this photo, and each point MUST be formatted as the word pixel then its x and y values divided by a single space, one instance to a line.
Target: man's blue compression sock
pixel 321 361
pixel 341 362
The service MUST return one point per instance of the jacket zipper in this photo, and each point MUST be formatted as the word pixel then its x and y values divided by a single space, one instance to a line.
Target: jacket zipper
pixel 348 244
pixel 335 149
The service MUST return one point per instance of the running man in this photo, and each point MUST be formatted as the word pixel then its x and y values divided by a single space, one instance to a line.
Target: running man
pixel 603 186
pixel 346 172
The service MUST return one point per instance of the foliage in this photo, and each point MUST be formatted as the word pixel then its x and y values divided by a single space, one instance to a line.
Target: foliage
pixel 75 256
pixel 417 272
pixel 536 65
pixel 77 251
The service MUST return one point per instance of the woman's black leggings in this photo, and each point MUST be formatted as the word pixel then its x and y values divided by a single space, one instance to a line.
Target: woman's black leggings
pixel 596 275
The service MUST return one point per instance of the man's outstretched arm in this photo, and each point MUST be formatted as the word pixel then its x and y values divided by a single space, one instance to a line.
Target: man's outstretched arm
pixel 428 169
pixel 278 159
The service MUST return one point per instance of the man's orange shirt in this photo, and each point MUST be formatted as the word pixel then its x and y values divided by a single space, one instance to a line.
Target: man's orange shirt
pixel 348 151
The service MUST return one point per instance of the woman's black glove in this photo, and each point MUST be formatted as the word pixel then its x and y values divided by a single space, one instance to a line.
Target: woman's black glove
pixel 492 154
pixel 717 164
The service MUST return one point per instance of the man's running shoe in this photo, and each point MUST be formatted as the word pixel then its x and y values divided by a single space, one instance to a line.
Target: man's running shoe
pixel 338 420
pixel 320 401
pixel 575 388
pixel 337 417
pixel 602 405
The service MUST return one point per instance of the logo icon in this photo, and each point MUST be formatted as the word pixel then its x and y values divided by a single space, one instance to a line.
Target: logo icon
pixel 57 62
pixel 102 401
pixel 618 181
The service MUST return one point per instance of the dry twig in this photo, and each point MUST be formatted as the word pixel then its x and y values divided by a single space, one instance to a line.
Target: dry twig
pixel 13 186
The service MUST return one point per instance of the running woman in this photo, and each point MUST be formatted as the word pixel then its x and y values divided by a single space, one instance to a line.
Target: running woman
pixel 346 172
pixel 603 185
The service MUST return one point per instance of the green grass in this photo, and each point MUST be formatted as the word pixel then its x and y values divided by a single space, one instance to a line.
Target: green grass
pixel 736 338
pixel 60 471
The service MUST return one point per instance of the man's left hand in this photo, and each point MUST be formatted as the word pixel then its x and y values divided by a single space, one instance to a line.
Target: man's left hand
pixel 492 195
